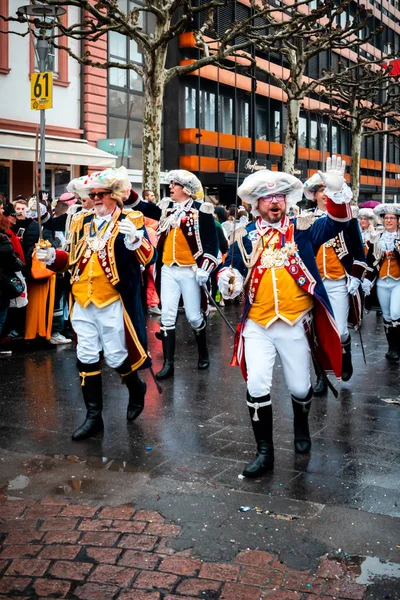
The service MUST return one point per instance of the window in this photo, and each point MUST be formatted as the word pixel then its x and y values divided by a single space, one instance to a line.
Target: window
pixel 314 135
pixel 4 38
pixel 261 124
pixel 302 132
pixel 190 107
pixel 207 111
pixel 225 114
pixel 58 59
pixel 277 126
pixel 243 124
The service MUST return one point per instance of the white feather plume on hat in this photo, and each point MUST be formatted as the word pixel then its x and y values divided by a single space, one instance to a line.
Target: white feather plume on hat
pixel 190 183
pixel 367 213
pixel 262 184
pixel 312 185
pixel 116 180
pixel 386 209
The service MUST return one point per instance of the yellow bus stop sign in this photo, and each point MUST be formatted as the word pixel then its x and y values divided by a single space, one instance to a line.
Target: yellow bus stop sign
pixel 41 90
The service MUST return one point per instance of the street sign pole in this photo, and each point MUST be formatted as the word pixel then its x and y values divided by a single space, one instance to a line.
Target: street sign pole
pixel 42 47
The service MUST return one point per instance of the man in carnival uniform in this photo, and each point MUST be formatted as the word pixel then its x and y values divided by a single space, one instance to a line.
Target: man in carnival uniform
pixel 187 254
pixel 276 256
pixel 384 266
pixel 368 220
pixel 106 248
pixel 341 263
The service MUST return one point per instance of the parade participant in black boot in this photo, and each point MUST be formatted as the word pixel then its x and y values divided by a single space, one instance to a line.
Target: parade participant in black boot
pixel 287 308
pixel 187 254
pixel 107 247
pixel 384 268
pixel 341 263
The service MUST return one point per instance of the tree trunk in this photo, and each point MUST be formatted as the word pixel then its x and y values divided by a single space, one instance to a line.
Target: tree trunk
pixel 289 150
pixel 151 138
pixel 356 139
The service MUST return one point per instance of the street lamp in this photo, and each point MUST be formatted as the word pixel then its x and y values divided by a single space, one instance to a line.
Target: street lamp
pixel 44 14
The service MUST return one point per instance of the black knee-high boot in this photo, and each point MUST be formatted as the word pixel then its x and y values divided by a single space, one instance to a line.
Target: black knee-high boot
pixel 392 334
pixel 261 419
pixel 90 375
pixel 168 344
pixel 301 410
pixel 201 339
pixel 347 366
pixel 136 387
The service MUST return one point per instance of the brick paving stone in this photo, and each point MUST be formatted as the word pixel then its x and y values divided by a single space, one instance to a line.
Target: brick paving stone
pixel 180 566
pixel 12 509
pixel 59 524
pixel 99 538
pixel 59 552
pixel 94 591
pixel 152 579
pixel 280 566
pixel 282 595
pixel 162 529
pixel 95 525
pixel 23 537
pixel 51 587
pixel 38 510
pixel 26 551
pixel 139 560
pixel 70 570
pixel 111 574
pixel 127 526
pixel 219 571
pixel 58 501
pixel 104 555
pixel 28 566
pixel 266 577
pixel 136 595
pixel 18 524
pixel 345 589
pixel 125 512
pixel 254 558
pixel 199 587
pixel 163 547
pixel 8 585
pixel 4 564
pixel 330 569
pixel 79 510
pixel 304 583
pixel 149 515
pixel 65 537
pixel 138 542
pixel 169 597
pixel 240 592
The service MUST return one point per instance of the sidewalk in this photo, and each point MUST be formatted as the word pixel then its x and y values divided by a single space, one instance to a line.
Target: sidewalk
pixel 59 549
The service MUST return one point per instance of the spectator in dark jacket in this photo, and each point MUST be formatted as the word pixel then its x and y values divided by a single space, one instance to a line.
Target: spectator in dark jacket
pixel 9 264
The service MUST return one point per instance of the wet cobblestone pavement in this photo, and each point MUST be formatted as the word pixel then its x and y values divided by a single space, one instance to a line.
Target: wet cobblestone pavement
pixel 183 458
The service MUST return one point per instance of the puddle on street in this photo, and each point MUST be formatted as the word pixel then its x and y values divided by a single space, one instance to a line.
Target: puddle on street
pixel 370 568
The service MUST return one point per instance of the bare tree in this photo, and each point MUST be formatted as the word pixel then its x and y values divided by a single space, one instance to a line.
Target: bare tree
pixel 366 102
pixel 171 18
pixel 313 31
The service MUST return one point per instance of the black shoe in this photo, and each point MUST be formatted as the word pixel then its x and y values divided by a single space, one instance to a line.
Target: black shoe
pixel 392 355
pixel 168 343
pixel 320 387
pixel 201 340
pixel 263 462
pixel 301 410
pixel 136 399
pixel 347 366
pixel 391 335
pixel 92 394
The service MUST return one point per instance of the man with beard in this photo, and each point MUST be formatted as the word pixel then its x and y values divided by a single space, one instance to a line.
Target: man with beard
pixel 286 307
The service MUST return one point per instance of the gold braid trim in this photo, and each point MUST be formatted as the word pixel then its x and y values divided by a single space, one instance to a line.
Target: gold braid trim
pixel 250 259
pixel 84 375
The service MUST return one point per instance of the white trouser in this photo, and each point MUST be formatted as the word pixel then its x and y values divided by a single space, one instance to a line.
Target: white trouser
pixel 260 347
pixel 100 329
pixel 174 282
pixel 388 291
pixel 339 299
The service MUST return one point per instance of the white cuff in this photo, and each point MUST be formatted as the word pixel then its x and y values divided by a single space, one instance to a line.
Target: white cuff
pixel 52 257
pixel 344 196
pixel 136 243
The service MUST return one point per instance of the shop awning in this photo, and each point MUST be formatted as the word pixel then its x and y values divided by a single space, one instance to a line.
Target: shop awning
pixel 59 151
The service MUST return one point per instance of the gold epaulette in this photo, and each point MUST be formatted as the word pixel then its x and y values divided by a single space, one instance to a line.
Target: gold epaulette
pixel 135 216
pixel 304 220
pixel 77 221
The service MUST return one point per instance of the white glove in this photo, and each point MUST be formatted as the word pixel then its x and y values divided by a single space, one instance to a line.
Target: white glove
pixel 333 177
pixel 202 276
pixel 46 255
pixel 128 229
pixel 353 283
pixel 225 283
pixel 367 286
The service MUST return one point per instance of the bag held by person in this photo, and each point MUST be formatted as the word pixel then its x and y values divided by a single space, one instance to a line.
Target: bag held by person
pixel 22 299
pixel 11 286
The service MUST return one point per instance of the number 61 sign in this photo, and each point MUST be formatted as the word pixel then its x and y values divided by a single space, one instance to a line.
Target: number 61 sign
pixel 41 90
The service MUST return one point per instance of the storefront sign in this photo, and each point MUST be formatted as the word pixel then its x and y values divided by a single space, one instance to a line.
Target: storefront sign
pixel 251 165
pixel 115 147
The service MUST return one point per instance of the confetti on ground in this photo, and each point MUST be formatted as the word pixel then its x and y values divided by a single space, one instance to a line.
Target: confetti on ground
pixel 391 400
